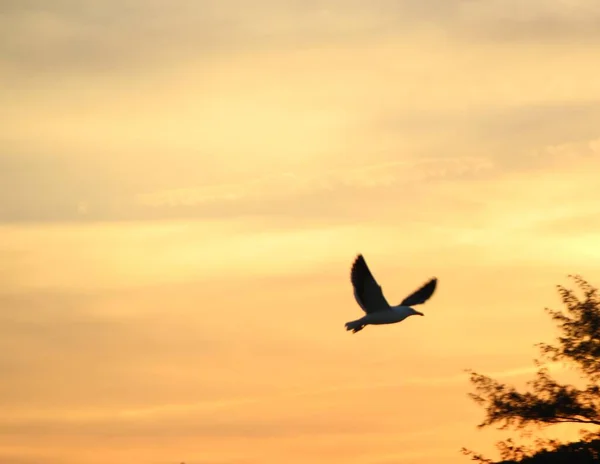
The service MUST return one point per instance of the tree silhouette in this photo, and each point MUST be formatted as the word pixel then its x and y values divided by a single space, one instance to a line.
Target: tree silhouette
pixel 548 402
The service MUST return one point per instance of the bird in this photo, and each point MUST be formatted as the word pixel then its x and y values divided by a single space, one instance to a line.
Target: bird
pixel 369 296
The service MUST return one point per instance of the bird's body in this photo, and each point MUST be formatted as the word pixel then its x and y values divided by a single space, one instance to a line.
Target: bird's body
pixel 369 296
pixel 395 314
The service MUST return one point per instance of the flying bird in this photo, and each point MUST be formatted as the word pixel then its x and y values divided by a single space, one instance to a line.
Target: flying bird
pixel 369 296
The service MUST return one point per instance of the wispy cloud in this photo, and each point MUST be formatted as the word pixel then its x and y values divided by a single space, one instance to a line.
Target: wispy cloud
pixel 44 36
pixel 164 411
pixel 536 20
pixel 364 177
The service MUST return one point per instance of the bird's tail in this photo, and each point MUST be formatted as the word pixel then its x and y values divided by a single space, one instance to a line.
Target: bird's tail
pixel 355 326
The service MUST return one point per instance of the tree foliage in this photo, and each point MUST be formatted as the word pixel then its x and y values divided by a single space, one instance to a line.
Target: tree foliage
pixel 586 451
pixel 548 402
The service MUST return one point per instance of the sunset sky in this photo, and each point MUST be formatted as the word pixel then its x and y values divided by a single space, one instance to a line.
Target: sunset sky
pixel 185 184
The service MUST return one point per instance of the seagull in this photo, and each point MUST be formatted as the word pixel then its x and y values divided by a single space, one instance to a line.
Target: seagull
pixel 369 297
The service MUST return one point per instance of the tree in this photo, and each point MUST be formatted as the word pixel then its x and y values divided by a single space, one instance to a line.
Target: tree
pixel 548 402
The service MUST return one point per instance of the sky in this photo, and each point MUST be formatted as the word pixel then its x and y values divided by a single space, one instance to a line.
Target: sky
pixel 185 185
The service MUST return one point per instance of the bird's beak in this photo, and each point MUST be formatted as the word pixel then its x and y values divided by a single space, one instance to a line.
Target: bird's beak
pixel 419 313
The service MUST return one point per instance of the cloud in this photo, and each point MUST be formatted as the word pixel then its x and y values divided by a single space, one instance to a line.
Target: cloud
pixel 537 20
pixel 214 136
pixel 575 224
pixel 42 38
pixel 61 191
pixel 469 204
pixel 71 35
pixel 26 456
pixel 306 414
pixel 313 413
pixel 510 134
pixel 71 348
pixel 288 184
pixel 85 35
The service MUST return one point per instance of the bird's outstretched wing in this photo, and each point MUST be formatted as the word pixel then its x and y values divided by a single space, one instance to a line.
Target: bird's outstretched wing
pixel 420 295
pixel 367 291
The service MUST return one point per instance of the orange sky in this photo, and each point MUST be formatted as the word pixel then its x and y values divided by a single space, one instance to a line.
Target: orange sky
pixel 186 183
